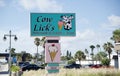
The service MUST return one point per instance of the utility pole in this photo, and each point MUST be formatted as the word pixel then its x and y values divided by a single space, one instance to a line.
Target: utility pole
pixel 15 38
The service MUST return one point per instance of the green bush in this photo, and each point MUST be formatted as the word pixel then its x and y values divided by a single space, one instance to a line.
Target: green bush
pixel 14 68
pixel 71 61
pixel 105 62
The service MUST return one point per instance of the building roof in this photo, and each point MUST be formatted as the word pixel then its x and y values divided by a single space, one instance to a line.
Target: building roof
pixel 4 54
pixel 115 57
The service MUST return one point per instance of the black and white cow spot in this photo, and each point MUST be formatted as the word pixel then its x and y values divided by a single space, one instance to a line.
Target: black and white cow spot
pixel 67 22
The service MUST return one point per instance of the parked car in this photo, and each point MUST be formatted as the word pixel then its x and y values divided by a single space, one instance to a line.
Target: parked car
pixel 70 66
pixel 31 67
pixel 22 64
pixel 96 66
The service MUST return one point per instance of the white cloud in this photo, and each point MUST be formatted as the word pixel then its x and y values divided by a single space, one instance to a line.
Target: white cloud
pixel 27 4
pixel 114 20
pixel 42 5
pixel 2 3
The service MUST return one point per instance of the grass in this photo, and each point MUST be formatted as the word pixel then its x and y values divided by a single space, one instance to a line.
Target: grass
pixel 76 72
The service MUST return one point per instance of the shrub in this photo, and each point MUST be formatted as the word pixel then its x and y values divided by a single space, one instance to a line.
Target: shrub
pixel 71 61
pixel 14 68
pixel 105 62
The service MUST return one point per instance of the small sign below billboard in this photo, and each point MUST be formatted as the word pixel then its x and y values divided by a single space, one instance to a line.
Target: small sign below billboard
pixel 52 67
pixel 52 52
pixel 52 24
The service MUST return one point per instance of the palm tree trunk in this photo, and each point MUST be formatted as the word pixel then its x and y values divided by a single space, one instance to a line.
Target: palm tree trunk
pixel 92 58
pixel 80 62
pixel 109 56
pixel 37 55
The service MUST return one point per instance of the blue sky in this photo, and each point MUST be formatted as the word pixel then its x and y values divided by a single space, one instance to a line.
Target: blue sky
pixel 95 21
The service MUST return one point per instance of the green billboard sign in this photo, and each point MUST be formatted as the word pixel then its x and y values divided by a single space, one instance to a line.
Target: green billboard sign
pixel 52 24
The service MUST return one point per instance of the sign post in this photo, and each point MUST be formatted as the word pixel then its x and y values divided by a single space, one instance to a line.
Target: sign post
pixel 52 54
pixel 52 25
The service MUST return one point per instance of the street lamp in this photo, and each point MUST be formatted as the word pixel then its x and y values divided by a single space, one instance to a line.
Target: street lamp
pixel 15 38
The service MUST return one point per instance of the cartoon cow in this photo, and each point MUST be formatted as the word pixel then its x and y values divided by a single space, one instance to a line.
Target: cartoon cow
pixel 67 22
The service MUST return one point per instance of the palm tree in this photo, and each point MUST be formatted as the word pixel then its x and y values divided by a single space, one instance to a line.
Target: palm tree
pixel 108 48
pixel 92 54
pixel 79 55
pixel 87 53
pixel 19 57
pixel 12 51
pixel 116 35
pixel 116 38
pixel 98 47
pixel 37 43
pixel 101 55
pixel 42 42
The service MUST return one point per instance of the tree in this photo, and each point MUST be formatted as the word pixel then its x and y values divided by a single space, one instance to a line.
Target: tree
pixel 92 54
pixel 37 43
pixel 19 57
pixel 26 56
pixel 87 53
pixel 116 35
pixel 63 58
pixel 98 47
pixel 108 48
pixel 68 55
pixel 12 51
pixel 42 42
pixel 100 55
pixel 80 55
pixel 71 61
pixel 105 62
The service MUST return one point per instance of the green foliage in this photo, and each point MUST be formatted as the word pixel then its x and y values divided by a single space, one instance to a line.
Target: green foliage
pixel 80 55
pixel 92 53
pixel 100 56
pixel 108 48
pixel 37 41
pixel 43 65
pixel 116 35
pixel 63 58
pixel 14 68
pixel 68 55
pixel 86 51
pixel 71 61
pixel 92 47
pixel 105 62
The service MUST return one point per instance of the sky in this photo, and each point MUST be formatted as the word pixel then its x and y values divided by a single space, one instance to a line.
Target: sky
pixel 95 22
